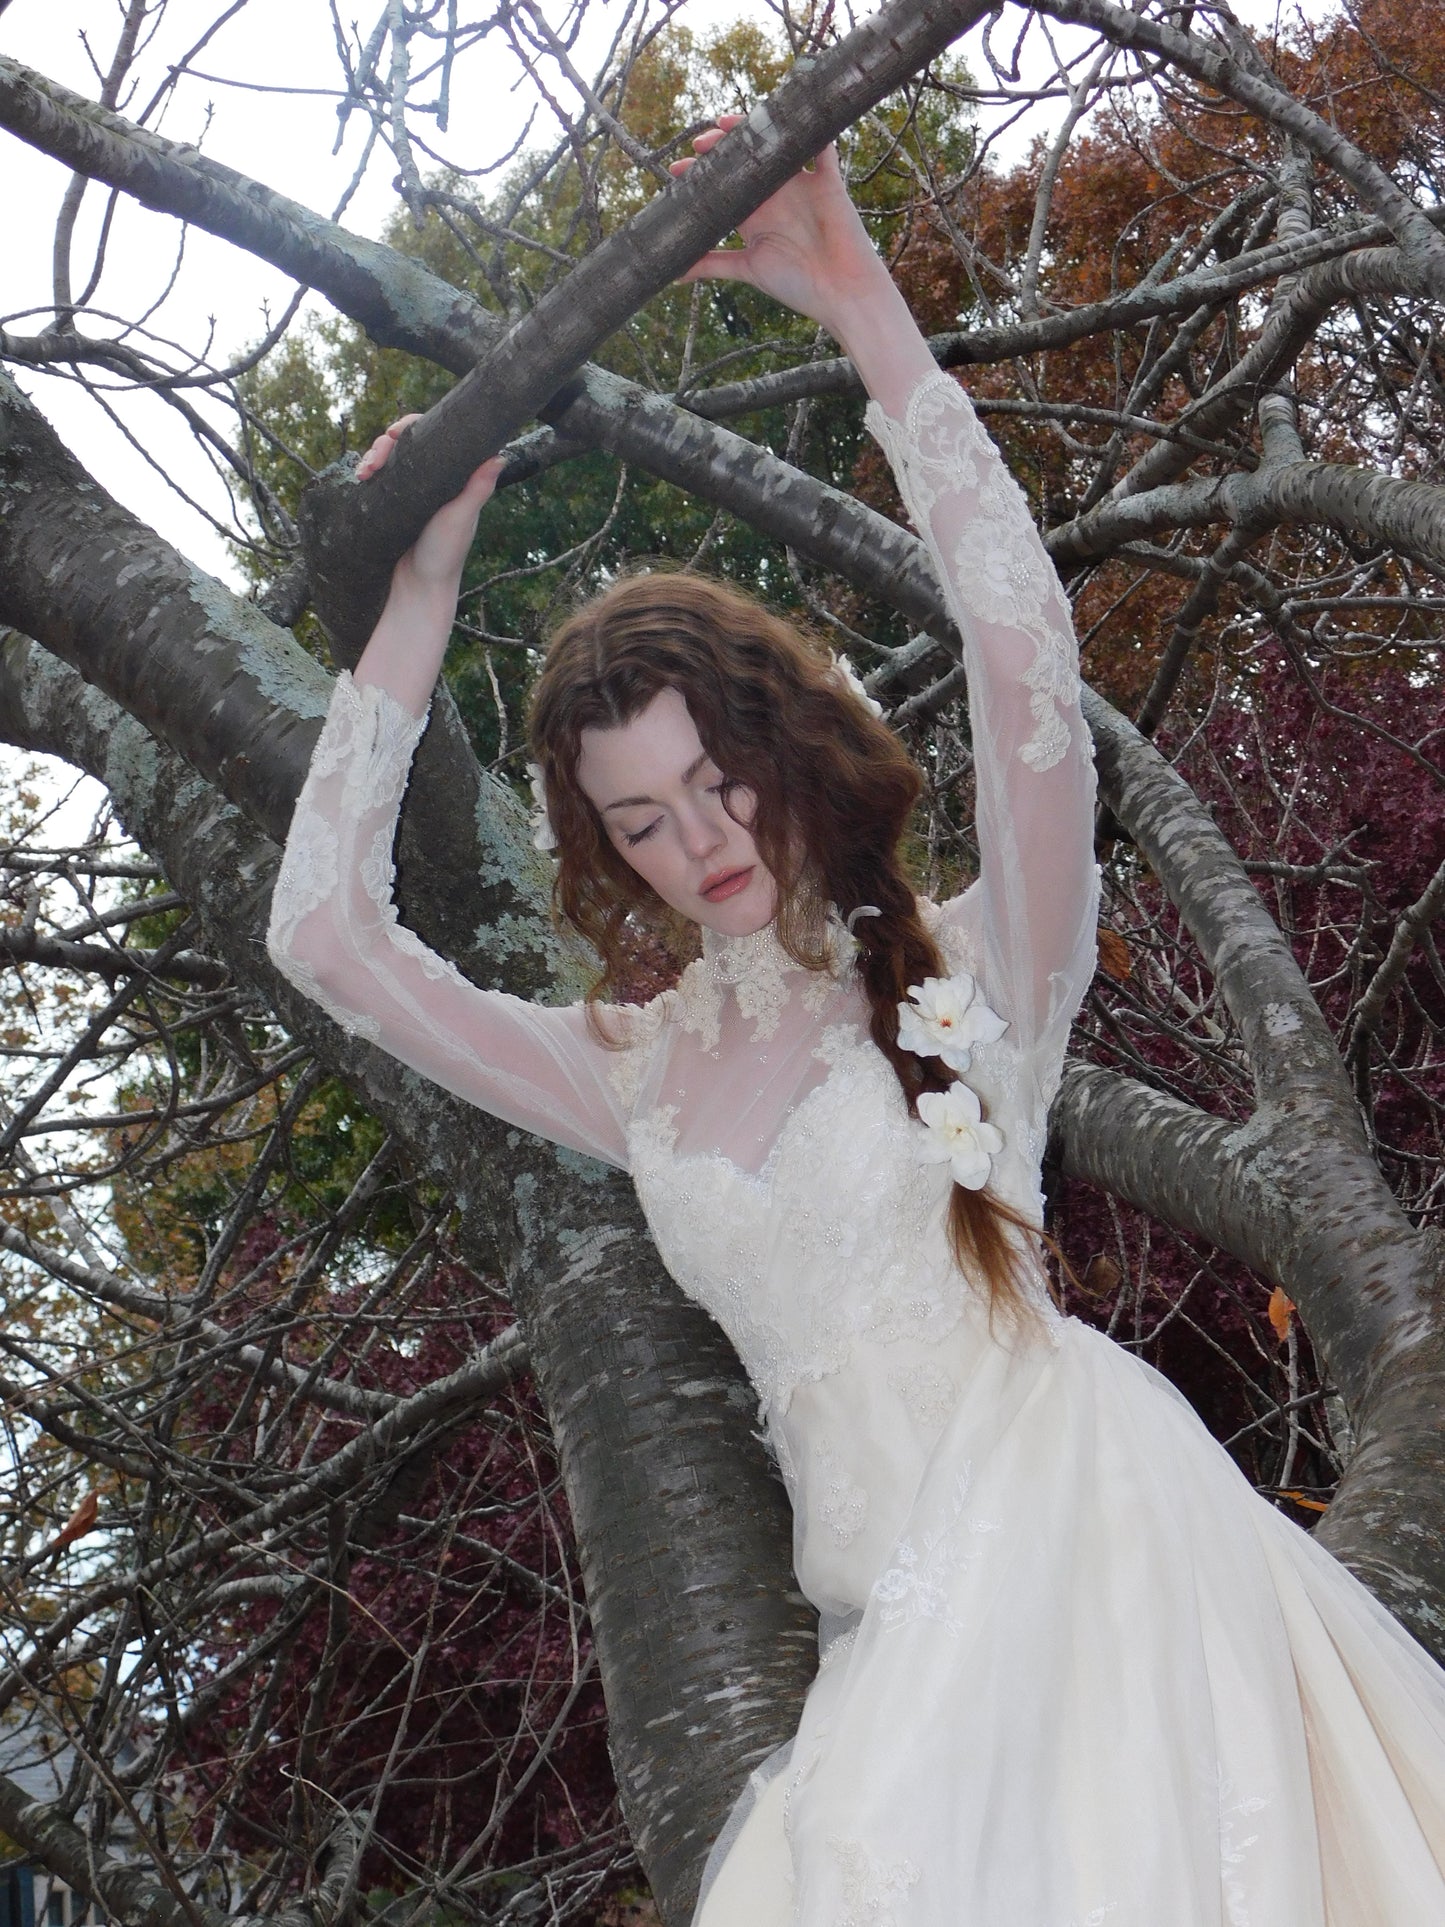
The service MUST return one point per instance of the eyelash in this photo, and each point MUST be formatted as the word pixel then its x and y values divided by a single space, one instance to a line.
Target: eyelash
pixel 633 837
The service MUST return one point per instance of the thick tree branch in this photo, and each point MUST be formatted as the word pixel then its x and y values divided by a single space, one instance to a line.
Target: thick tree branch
pixel 1408 516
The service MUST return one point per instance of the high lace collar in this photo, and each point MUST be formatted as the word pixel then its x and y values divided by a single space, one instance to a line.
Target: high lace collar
pixel 762 977
pixel 736 960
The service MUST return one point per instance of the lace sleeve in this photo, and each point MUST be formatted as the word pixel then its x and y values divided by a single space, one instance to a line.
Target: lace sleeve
pixel 334 934
pixel 1032 917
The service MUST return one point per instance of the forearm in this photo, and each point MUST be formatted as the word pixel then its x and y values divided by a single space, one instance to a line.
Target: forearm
pixel 885 344
pixel 404 655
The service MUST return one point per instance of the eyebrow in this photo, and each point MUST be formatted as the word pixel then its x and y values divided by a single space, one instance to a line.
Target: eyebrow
pixel 627 802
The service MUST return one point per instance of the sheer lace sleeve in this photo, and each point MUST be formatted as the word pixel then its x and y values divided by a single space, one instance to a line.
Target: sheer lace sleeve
pixel 1031 920
pixel 334 933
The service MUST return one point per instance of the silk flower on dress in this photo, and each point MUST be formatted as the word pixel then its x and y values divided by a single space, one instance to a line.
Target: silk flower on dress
pixel 946 1019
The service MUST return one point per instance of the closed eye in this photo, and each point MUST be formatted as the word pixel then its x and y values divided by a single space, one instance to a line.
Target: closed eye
pixel 633 837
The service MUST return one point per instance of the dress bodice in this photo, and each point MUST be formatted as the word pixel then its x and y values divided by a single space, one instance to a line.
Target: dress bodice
pixel 812 1229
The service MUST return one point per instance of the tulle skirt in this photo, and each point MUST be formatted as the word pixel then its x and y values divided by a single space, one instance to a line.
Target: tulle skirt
pixel 1100 1683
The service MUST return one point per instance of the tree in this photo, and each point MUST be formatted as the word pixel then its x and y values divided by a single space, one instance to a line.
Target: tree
pixel 1197 314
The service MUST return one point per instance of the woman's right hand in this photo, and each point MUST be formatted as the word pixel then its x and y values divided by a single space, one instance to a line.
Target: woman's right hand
pixel 436 558
pixel 806 245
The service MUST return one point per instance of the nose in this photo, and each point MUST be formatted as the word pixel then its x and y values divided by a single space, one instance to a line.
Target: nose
pixel 702 835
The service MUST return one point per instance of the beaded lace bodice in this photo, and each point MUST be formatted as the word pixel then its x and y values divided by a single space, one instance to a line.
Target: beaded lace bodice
pixel 768 1138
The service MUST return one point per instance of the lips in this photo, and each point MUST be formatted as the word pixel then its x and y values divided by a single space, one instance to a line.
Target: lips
pixel 726 883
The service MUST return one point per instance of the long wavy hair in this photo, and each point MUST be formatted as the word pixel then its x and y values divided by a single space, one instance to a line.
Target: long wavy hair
pixel 835 789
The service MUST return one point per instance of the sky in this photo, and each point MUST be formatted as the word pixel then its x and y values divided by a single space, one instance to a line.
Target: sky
pixel 218 300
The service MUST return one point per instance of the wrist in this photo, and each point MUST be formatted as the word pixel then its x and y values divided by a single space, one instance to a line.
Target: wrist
pixel 885 345
pixel 866 311
pixel 424 593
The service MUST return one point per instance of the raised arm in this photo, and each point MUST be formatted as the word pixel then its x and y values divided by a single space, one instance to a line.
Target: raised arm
pixel 1031 919
pixel 334 929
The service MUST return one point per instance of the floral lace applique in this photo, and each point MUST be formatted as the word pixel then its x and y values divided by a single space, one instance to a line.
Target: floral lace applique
pixel 843 1505
pixel 837 1240
pixel 875 1890
pixel 762 977
pixel 687 1198
pixel 928 1392
pixel 311 875
pixel 635 1029
pixel 915 1586
pixel 699 1004
pixel 755 969
pixel 1000 572
pixel 372 739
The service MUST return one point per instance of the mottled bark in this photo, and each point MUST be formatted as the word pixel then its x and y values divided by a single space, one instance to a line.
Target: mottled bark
pixel 1206 1176
pixel 1408 516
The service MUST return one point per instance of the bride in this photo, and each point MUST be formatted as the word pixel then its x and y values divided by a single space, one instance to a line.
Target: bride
pixel 1074 1673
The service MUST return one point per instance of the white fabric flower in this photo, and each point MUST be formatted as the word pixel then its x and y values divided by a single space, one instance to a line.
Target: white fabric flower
pixel 544 837
pixel 957 1135
pixel 947 1018
pixel 853 683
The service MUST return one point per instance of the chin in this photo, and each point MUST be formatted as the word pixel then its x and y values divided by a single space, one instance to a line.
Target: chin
pixel 743 915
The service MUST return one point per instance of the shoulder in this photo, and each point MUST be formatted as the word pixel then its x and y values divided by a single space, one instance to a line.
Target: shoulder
pixel 952 926
pixel 630 1033
pixel 633 1027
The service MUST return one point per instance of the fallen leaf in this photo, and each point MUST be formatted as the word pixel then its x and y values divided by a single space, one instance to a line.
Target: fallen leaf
pixel 1101 1276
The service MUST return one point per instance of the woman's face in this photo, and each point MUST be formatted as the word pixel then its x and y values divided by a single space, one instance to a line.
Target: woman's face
pixel 664 803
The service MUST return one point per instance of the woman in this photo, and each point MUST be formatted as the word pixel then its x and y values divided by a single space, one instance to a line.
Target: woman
pixel 1073 1670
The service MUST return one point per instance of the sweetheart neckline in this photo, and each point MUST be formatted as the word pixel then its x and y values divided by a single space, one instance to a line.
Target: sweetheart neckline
pixel 762 1180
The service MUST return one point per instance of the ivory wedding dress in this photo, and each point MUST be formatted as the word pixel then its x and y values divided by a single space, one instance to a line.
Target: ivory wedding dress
pixel 1074 1672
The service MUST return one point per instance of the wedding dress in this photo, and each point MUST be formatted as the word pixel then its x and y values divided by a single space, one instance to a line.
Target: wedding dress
pixel 1074 1672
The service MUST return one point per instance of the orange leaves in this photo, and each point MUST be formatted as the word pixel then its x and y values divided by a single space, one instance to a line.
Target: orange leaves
pixel 1281 1313
pixel 1114 955
pixel 81 1521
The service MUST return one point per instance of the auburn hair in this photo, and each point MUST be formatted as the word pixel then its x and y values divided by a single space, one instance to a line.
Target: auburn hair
pixel 835 789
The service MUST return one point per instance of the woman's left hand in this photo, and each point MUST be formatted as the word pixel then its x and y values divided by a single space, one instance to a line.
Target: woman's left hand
pixel 805 246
